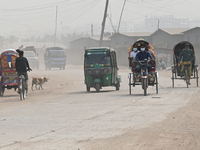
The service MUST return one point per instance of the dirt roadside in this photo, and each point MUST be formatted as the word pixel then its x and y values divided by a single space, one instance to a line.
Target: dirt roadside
pixel 179 131
pixel 65 116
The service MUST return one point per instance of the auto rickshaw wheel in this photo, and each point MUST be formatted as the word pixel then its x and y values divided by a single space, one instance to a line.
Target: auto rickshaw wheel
pixel 97 86
pixel 88 88
pixel 117 85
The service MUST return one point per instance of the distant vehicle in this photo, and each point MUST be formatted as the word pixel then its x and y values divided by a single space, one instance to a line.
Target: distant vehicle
pixel 100 68
pixel 30 48
pixel 32 59
pixel 55 57
pixel 32 56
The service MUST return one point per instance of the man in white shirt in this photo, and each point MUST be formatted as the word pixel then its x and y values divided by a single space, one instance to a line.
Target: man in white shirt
pixel 134 52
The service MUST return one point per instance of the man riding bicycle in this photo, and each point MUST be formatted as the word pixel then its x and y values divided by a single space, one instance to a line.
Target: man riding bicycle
pixel 187 56
pixel 22 66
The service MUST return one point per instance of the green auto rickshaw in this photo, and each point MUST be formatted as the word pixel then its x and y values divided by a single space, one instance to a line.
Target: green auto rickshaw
pixel 100 68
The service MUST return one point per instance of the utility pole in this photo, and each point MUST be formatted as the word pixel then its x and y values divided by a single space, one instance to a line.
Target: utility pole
pixel 104 22
pixel 91 30
pixel 121 16
pixel 56 26
pixel 158 23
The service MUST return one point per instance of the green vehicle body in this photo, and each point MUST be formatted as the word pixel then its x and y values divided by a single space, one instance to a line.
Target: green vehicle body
pixel 100 68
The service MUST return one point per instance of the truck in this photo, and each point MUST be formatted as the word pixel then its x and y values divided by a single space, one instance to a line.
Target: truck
pixel 55 57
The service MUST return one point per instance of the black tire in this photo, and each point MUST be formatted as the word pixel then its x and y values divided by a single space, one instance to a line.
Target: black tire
pixel 175 73
pixel 24 94
pixel 2 92
pixel 145 86
pixel 21 90
pixel 173 78
pixel 117 86
pixel 156 83
pixel 197 78
pixel 87 88
pixel 130 84
pixel 21 95
pixel 186 77
pixel 97 87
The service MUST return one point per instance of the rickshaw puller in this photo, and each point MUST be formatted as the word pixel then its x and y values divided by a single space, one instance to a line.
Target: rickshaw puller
pixel 141 56
pixel 22 65
pixel 186 55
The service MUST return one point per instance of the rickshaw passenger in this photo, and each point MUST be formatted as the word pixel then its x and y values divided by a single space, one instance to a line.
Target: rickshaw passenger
pixel 141 56
pixel 187 55
pixel 22 65
pixel 134 52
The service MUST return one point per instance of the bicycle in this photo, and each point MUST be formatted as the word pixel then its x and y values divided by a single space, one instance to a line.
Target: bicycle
pixel 185 64
pixel 23 90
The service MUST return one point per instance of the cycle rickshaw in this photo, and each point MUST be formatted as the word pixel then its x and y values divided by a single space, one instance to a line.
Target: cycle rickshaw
pixel 9 77
pixel 176 68
pixel 143 78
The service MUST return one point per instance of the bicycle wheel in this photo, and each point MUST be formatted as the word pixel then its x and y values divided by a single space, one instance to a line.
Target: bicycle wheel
pixel 24 89
pixel 20 89
pixel 130 83
pixel 197 77
pixel 186 77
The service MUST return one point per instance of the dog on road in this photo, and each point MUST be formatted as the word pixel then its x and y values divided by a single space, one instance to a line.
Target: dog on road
pixel 38 81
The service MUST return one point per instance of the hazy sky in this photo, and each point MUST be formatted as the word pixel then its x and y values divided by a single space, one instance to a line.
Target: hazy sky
pixel 20 16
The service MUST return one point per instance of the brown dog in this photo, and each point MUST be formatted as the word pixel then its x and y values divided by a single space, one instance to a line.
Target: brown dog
pixel 39 81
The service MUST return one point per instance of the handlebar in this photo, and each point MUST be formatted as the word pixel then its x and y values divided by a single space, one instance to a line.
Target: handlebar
pixel 143 62
pixel 29 70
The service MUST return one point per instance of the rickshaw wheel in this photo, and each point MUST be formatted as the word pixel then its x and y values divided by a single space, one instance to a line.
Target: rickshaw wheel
pixel 186 78
pixel 145 86
pixel 172 78
pixel 156 83
pixel 130 83
pixel 88 88
pixel 2 93
pixel 2 89
pixel 197 77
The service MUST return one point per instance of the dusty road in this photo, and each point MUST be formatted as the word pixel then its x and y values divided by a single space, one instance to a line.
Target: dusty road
pixel 64 116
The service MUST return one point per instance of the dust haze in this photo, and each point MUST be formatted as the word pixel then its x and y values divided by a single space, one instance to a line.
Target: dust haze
pixel 64 115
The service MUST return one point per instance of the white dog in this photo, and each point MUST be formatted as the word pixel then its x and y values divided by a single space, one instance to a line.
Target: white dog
pixel 39 81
